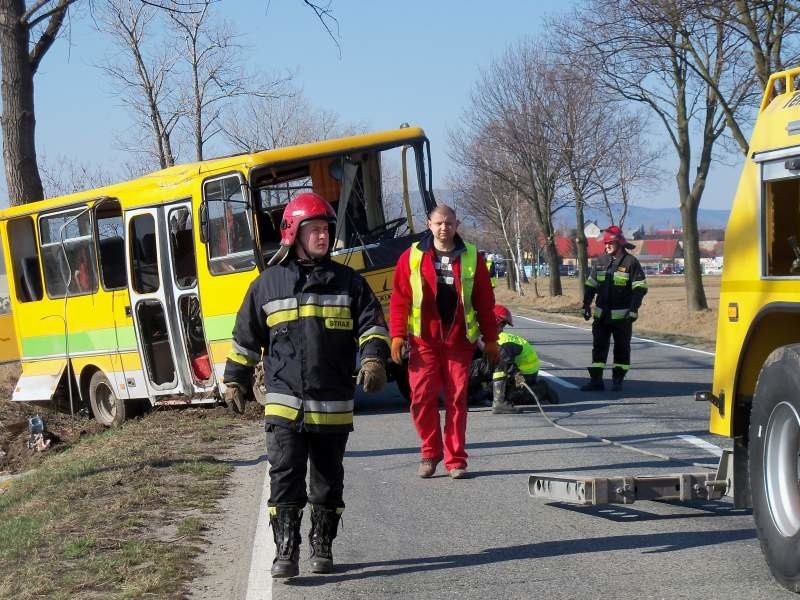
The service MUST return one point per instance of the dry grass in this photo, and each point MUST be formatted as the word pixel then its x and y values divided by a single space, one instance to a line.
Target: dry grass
pixel 119 514
pixel 663 314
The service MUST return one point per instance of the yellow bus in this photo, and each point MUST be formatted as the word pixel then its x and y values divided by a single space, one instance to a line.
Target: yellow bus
pixel 9 351
pixel 125 296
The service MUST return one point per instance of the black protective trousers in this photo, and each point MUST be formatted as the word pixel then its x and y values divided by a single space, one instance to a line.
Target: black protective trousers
pixel 289 453
pixel 602 332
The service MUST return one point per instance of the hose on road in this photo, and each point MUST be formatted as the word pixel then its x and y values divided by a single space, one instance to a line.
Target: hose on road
pixel 610 442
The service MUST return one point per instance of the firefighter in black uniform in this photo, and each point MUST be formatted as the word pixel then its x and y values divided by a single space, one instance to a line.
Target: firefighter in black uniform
pixel 619 283
pixel 308 317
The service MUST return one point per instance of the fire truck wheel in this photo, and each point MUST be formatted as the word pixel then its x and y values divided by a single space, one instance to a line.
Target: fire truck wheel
pixel 108 410
pixel 774 463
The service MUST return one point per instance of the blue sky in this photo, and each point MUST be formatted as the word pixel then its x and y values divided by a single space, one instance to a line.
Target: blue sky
pixel 413 61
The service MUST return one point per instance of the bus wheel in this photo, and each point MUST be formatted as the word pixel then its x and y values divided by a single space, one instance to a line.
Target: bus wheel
pixel 774 463
pixel 400 376
pixel 108 410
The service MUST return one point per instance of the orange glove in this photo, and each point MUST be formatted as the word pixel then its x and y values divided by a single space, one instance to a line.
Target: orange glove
pixel 397 349
pixel 492 352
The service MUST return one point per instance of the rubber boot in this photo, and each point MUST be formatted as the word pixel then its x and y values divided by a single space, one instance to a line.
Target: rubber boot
pixel 500 404
pixel 617 375
pixel 595 382
pixel 324 525
pixel 285 523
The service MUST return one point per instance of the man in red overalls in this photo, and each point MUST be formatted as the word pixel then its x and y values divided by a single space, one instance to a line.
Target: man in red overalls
pixel 441 304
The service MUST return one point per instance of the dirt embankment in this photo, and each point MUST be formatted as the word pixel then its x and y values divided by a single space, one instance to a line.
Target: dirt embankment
pixel 18 453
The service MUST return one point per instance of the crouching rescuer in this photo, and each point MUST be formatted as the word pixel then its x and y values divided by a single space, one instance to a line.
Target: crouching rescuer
pixel 308 318
pixel 518 366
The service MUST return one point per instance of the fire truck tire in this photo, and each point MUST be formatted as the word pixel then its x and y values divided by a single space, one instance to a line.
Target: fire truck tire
pixel 107 408
pixel 774 463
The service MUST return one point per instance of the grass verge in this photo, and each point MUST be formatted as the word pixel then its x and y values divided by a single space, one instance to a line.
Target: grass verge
pixel 119 514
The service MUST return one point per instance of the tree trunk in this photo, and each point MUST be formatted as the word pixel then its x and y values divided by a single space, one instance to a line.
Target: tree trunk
pixel 552 262
pixel 580 241
pixel 18 119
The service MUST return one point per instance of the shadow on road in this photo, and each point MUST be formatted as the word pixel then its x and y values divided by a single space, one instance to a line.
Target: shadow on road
pixel 647 543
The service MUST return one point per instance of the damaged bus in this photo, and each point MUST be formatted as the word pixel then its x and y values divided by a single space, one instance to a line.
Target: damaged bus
pixel 125 296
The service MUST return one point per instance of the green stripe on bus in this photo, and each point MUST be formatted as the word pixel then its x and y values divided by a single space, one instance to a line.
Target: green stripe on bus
pixel 98 340
pixel 219 327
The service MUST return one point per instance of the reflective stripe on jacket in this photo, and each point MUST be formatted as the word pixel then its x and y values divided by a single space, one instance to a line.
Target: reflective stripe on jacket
pixel 619 293
pixel 469 260
pixel 309 324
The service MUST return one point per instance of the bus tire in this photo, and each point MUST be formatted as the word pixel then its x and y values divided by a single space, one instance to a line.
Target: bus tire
pixel 107 408
pixel 774 438
pixel 400 374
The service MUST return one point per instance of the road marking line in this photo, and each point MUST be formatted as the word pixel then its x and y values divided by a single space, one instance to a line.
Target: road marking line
pixel 640 339
pixel 259 582
pixel 709 447
pixel 558 380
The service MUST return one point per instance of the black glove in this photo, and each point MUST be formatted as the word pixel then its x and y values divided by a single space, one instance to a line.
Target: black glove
pixel 587 312
pixel 235 397
pixel 372 375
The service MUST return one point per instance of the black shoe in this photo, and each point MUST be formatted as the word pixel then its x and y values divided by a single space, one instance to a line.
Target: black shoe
pixel 593 385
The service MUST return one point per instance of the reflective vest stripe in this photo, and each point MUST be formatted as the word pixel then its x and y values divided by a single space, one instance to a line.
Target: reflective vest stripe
pixel 527 361
pixel 469 261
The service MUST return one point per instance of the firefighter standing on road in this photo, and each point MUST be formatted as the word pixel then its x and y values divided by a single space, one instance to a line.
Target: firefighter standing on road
pixel 441 303
pixel 619 283
pixel 309 317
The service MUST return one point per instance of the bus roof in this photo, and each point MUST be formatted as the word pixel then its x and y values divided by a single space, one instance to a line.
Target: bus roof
pixel 175 182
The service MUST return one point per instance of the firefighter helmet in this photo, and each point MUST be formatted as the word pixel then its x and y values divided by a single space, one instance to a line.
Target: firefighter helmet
pixel 301 208
pixel 614 234
pixel 502 315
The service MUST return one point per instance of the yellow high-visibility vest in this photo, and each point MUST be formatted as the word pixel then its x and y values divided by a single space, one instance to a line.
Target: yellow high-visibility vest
pixel 469 261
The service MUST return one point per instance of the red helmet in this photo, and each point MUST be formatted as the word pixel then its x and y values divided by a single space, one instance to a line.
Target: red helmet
pixel 614 234
pixel 502 315
pixel 304 207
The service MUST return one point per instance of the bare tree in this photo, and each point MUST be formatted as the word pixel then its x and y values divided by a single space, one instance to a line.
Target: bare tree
pixel 512 109
pixel 283 120
pixel 65 175
pixel 650 52
pixel 26 35
pixel 214 71
pixel 144 77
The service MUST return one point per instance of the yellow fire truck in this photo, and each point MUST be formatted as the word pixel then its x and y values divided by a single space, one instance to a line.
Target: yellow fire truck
pixel 126 295
pixel 755 397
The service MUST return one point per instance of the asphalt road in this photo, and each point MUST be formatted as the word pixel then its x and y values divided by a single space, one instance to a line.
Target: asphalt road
pixel 484 537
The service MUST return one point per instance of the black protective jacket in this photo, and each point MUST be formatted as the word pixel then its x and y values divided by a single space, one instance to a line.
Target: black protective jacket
pixel 619 284
pixel 308 323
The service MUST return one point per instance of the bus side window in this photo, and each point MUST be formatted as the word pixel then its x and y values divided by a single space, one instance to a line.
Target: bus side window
pixel 112 263
pixel 31 280
pixel 111 245
pixel 25 259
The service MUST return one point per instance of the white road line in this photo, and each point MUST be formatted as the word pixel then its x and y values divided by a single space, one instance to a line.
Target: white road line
pixel 711 448
pixel 704 352
pixel 558 380
pixel 259 583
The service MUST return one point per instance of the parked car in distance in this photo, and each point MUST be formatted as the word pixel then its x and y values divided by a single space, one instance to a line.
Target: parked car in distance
pixel 650 269
pixel 666 270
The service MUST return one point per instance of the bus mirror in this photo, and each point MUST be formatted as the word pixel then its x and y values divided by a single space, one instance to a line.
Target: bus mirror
pixel 203 217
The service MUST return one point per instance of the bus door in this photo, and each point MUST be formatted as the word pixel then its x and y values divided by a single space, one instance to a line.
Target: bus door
pixel 157 328
pixel 186 302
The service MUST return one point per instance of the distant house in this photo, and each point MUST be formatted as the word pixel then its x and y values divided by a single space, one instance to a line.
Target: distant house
pixel 592 230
